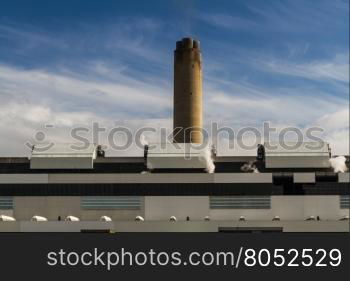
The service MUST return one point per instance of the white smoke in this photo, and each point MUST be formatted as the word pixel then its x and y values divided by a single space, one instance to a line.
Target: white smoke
pixel 143 140
pixel 207 158
pixel 338 164
pixel 249 167
pixel 149 166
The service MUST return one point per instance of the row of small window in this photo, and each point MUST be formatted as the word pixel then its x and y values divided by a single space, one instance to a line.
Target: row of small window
pixel 112 203
pixel 93 203
pixel 240 202
pixel 6 203
pixel 136 202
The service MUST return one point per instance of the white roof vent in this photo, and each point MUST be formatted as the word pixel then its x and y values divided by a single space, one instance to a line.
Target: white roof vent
pixel 72 218
pixel 173 218
pixel 38 218
pixel 105 218
pixel 297 155
pixel 176 156
pixel 63 156
pixel 311 218
pixel 6 218
pixel 139 218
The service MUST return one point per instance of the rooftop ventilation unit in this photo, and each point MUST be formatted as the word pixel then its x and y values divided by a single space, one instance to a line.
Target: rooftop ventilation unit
pixel 296 155
pixel 177 156
pixel 241 218
pixel 63 156
pixel 38 218
pixel 6 218
pixel 105 218
pixel 310 218
pixel 72 218
pixel 139 218
pixel 345 218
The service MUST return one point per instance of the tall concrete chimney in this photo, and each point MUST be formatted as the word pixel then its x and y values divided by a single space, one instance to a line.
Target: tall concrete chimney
pixel 187 92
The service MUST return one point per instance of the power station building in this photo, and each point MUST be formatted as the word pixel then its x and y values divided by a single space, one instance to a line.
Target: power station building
pixel 62 189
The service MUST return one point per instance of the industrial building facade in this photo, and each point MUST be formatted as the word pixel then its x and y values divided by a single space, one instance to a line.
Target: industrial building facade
pixel 119 188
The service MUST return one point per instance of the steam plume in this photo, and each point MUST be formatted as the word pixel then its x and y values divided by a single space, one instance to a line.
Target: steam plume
pixel 338 164
pixel 143 140
pixel 207 158
pixel 249 167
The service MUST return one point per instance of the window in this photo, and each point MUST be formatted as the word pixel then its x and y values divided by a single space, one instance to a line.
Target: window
pixel 6 203
pixel 345 201
pixel 240 202
pixel 111 203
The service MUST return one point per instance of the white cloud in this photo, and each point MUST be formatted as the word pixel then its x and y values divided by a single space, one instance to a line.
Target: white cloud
pixel 283 16
pixel 336 69
pixel 335 120
pixel 33 98
pixel 227 21
pixel 69 92
pixel 30 99
pixel 249 103
pixel 336 126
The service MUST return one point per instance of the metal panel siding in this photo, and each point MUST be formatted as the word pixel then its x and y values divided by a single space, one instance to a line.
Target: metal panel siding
pixel 64 150
pixel 175 162
pixel 111 203
pixel 304 177
pixel 302 161
pixel 172 156
pixel 62 163
pixel 23 178
pixel 344 177
pixel 243 178
pixel 240 202
pixel 297 155
pixel 296 148
pixel 63 156
pixel 345 201
pixel 6 203
pixel 132 178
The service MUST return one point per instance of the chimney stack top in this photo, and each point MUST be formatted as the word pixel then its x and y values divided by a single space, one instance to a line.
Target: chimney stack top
pixel 187 43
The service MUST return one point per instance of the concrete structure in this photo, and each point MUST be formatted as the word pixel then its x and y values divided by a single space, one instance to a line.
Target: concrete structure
pixel 64 156
pixel 176 156
pixel 178 226
pixel 187 91
pixel 119 188
pixel 293 212
pixel 297 155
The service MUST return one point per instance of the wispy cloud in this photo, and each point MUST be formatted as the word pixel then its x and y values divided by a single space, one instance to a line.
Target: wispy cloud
pixel 336 69
pixel 228 21
pixel 33 98
pixel 28 37
pixel 287 16
pixel 126 38
pixel 246 104
pixel 74 92
pixel 121 69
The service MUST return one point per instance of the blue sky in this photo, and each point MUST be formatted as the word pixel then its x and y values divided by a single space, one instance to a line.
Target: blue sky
pixel 73 62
